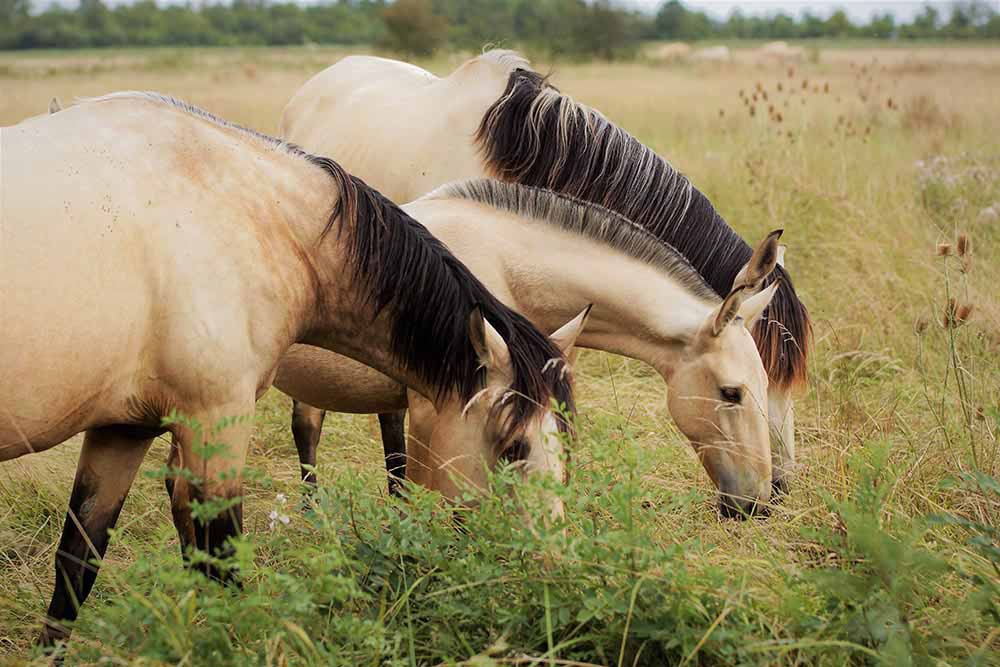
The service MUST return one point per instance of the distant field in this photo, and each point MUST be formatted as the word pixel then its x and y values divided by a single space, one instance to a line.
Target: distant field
pixel 870 157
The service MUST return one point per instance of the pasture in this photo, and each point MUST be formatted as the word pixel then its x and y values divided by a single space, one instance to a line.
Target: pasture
pixel 887 549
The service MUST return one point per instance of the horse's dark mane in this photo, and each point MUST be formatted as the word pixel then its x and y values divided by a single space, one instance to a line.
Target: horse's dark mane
pixel 536 136
pixel 429 294
pixel 585 219
pixel 425 291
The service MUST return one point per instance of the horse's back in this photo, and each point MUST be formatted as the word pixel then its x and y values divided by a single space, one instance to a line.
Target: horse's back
pixel 115 219
pixel 349 81
pixel 399 128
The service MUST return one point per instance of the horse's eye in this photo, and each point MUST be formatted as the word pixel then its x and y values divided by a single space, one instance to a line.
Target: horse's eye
pixel 518 451
pixel 731 394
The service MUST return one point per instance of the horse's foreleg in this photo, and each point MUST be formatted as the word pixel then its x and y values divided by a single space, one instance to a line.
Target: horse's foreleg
pixel 211 460
pixel 179 495
pixel 307 427
pixel 107 467
pixel 391 424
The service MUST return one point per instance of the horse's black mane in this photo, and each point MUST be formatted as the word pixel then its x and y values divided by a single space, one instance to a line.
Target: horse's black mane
pixel 425 291
pixel 430 294
pixel 536 136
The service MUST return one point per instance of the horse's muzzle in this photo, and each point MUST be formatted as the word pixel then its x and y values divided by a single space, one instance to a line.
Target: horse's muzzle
pixel 731 507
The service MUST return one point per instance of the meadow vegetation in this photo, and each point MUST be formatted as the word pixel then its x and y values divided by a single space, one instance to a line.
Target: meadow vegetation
pixel 884 172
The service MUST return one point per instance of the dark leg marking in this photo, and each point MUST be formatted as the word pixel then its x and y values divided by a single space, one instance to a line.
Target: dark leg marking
pixel 212 537
pixel 106 469
pixel 307 427
pixel 394 445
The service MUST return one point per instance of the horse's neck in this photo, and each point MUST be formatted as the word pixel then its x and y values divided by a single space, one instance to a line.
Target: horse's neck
pixel 549 276
pixel 338 317
pixel 639 311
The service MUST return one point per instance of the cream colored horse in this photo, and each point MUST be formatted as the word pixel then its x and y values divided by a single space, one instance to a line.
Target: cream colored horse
pixel 547 255
pixel 494 116
pixel 155 259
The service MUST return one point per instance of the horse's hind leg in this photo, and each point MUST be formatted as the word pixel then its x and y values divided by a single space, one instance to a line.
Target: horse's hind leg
pixel 108 463
pixel 391 424
pixel 307 427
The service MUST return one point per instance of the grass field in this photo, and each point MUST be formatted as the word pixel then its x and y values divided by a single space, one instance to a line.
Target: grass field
pixel 887 549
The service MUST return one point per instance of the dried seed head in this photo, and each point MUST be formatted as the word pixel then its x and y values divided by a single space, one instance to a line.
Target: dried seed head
pixel 763 94
pixel 778 117
pixel 963 244
pixel 741 92
pixel 722 113
pixel 779 87
pixel 753 110
pixel 826 87
pixel 980 413
pixel 805 84
pixel 963 313
pixel 920 325
pixel 943 249
pixel 791 72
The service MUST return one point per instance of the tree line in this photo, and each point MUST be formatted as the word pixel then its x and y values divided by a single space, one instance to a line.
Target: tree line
pixel 558 28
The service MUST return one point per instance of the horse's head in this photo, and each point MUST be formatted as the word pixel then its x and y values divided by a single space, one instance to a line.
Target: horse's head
pixel 454 443
pixel 718 393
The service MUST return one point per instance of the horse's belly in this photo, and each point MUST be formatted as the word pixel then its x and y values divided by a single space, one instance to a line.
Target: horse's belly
pixel 330 381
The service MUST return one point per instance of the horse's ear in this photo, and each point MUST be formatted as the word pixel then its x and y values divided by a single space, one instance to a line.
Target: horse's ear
pixel 765 257
pixel 727 311
pixel 565 337
pixel 54 105
pixel 751 309
pixel 487 342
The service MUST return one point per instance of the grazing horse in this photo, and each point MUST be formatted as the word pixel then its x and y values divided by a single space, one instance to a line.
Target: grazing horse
pixel 546 255
pixel 494 116
pixel 156 260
